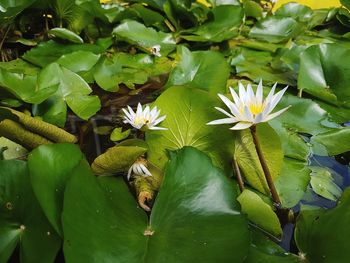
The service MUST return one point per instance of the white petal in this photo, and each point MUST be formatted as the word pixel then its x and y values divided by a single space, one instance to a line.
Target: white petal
pixel 266 110
pixel 274 115
pixel 272 91
pixel 227 102
pixel 251 96
pixel 222 121
pixel 146 113
pixel 127 114
pixel 248 115
pixel 159 120
pixel 157 128
pixel 277 97
pixel 258 118
pixel 259 93
pixel 236 98
pixel 241 126
pixel 224 112
pixel 145 171
pixel 139 109
pixel 129 172
pixel 242 92
pixel 138 169
pixel 131 111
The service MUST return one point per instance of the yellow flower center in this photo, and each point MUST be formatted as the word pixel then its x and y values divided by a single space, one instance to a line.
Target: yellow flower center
pixel 256 109
pixel 139 120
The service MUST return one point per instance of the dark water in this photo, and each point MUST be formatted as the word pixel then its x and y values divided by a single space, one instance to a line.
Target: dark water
pixel 341 175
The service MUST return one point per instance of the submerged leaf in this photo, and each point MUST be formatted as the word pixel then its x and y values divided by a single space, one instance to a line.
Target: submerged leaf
pixel 323 184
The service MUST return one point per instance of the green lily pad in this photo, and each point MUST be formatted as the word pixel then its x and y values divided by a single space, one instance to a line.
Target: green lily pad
pixel 322 76
pixel 304 116
pixel 13 150
pixel 194 217
pixel 334 142
pixel 323 184
pixel 224 25
pixel 49 180
pixel 122 68
pixel 297 11
pixel 264 250
pixel 196 70
pixel 322 235
pixel 10 9
pixel 247 158
pixel 22 221
pixel 48 52
pixel 259 212
pixel 79 61
pixel 293 145
pixel 145 37
pixel 64 33
pixel 275 29
pixel 292 183
pixel 187 113
pixel 29 88
pixel 73 90
pixel 117 134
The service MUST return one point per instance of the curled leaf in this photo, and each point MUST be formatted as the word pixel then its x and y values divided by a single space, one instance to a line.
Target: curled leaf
pixel 116 159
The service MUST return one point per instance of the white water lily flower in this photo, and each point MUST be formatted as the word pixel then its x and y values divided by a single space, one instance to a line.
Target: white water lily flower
pixel 142 119
pixel 155 50
pixel 139 167
pixel 248 108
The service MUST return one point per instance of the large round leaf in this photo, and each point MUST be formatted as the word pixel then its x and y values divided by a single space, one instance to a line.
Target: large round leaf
pixel 323 235
pixel 195 217
pixel 21 218
pixel 293 181
pixel 145 37
pixel 276 29
pixel 263 250
pixel 188 111
pixel 224 25
pixel 196 70
pixel 49 170
pixel 321 74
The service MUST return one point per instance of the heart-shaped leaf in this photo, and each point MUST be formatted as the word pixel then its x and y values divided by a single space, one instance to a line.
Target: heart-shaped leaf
pixel 322 235
pixel 321 76
pixel 188 111
pixel 21 219
pixel 145 37
pixel 197 70
pixel 194 217
pixel 49 180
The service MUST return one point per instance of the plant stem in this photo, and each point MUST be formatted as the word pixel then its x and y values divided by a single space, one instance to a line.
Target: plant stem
pixel 265 168
pixel 238 175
